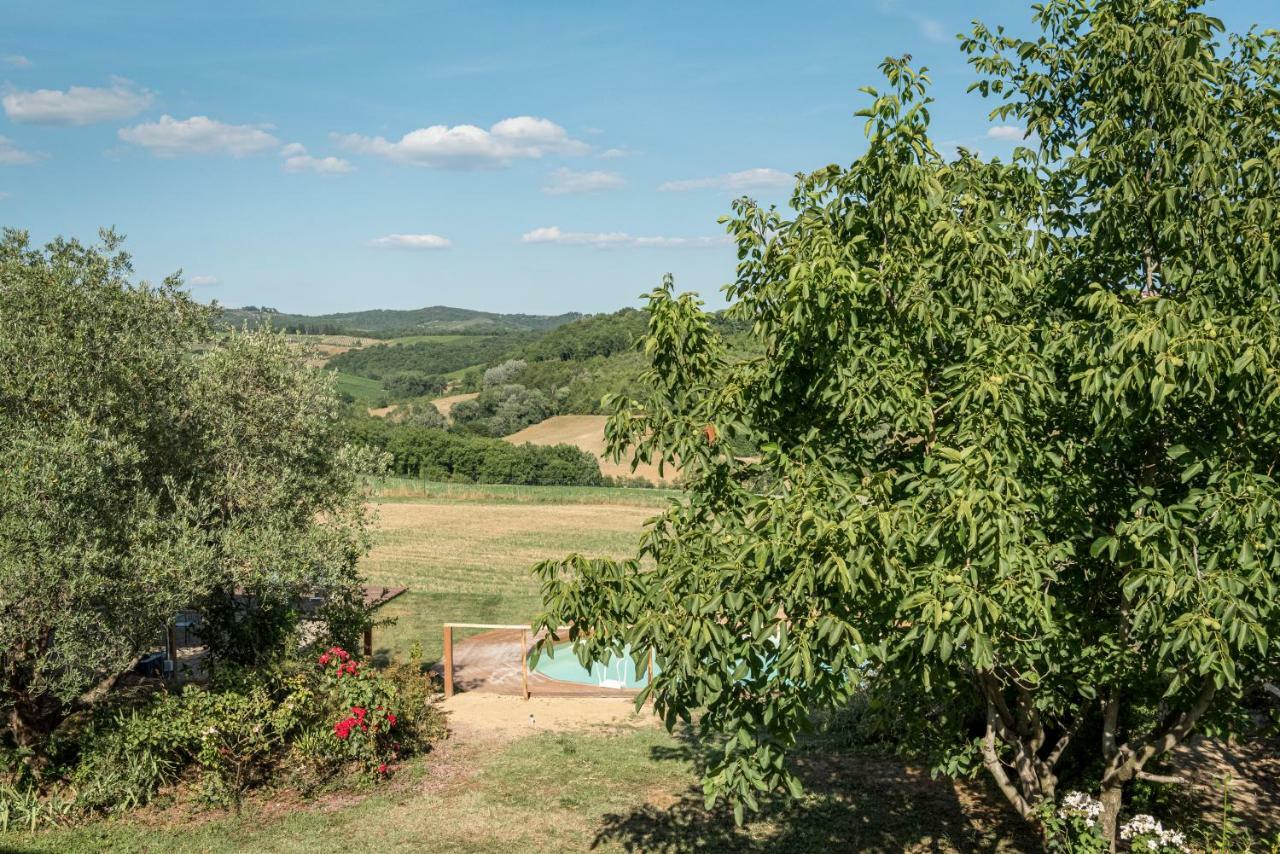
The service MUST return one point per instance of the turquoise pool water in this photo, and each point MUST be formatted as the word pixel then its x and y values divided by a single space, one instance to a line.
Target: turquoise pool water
pixel 619 671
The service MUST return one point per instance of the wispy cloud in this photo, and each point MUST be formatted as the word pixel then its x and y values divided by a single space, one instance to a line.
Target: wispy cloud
pixel 748 179
pixel 1006 132
pixel 469 146
pixel 296 159
pixel 931 28
pixel 202 281
pixel 17 60
pixel 170 137
pixel 616 153
pixel 617 240
pixel 411 241
pixel 11 155
pixel 566 181
pixel 79 105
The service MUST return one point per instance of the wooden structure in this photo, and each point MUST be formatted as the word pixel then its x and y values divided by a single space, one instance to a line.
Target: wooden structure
pixel 497 661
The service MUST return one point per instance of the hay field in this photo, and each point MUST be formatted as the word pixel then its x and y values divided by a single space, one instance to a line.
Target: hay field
pixel 470 560
pixel 587 432
pixel 445 404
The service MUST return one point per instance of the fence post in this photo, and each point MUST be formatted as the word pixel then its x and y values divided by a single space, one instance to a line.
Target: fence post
pixel 524 664
pixel 448 661
pixel 368 642
pixel 648 679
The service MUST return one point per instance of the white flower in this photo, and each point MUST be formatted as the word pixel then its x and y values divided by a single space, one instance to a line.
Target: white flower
pixel 1078 803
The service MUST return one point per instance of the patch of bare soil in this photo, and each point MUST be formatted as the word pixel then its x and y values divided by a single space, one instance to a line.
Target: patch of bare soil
pixel 382 411
pixel 505 718
pixel 1250 773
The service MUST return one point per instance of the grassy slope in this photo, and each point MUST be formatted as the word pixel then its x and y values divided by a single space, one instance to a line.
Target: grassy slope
pixel 400 321
pixel 363 389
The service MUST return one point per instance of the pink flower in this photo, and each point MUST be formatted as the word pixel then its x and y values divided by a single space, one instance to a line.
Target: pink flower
pixel 324 658
pixel 382 769
pixel 391 719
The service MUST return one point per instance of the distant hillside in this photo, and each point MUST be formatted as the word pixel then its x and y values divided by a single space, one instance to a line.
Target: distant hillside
pixel 393 323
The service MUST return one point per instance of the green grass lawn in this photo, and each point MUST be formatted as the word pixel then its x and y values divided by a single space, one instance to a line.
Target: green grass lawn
pixel 608 789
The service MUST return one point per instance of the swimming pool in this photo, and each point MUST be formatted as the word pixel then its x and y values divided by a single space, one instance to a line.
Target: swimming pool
pixel 619 671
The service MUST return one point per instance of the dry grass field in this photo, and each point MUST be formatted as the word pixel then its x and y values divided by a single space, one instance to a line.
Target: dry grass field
pixel 587 432
pixel 468 558
pixel 445 404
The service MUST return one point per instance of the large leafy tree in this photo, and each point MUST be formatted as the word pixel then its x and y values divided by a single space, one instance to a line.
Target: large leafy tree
pixel 148 466
pixel 1019 426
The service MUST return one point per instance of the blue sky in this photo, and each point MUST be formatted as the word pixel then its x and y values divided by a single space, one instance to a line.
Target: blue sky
pixel 526 156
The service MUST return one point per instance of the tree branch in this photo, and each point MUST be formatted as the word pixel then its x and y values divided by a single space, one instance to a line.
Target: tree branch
pixel 991 761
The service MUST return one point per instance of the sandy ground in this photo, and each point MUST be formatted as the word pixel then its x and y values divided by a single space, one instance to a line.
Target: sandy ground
pixel 586 432
pixel 382 411
pixel 496 715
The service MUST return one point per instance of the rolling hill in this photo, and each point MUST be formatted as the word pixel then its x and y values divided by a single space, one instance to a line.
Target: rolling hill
pixel 393 323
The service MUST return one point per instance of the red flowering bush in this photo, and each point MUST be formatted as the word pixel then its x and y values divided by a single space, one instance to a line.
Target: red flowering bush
pixel 365 729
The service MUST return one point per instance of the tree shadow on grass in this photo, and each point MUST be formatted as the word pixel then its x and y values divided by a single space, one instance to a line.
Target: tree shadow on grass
pixel 851 803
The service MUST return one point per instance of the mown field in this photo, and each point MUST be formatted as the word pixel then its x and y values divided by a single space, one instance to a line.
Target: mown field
pixel 465 552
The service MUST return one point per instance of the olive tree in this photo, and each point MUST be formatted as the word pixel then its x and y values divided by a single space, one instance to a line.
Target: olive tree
pixel 1019 427
pixel 148 466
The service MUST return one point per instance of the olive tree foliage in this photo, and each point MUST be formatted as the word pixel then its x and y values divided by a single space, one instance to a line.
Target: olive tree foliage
pixel 147 467
pixel 1019 426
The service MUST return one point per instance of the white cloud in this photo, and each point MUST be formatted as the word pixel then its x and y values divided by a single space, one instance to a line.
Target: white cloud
pixel 296 159
pixel 411 241
pixel 202 281
pixel 748 179
pixel 616 240
pixel 17 60
pixel 170 137
pixel 615 153
pixel 11 155
pixel 1006 132
pixel 468 146
pixel 566 181
pixel 932 29
pixel 79 105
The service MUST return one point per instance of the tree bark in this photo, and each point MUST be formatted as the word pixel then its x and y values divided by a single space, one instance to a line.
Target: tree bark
pixel 1112 795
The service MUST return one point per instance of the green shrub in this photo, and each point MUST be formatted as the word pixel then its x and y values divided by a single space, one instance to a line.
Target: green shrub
pixel 301 722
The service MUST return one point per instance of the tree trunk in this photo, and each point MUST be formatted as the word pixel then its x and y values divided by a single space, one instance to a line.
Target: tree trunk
pixel 30 724
pixel 1112 794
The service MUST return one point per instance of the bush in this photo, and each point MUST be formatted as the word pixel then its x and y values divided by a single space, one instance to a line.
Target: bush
pixel 502 410
pixel 421 413
pixel 308 723
pixel 504 373
pixel 443 456
pixel 415 384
